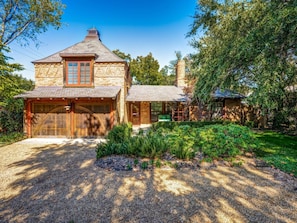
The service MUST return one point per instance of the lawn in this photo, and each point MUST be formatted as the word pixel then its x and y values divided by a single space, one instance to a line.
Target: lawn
pixel 278 150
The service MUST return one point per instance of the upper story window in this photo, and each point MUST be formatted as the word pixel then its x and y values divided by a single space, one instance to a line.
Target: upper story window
pixel 78 73
pixel 78 69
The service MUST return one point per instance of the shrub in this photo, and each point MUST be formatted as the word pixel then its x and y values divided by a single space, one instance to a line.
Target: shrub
pixel 198 124
pixel 181 141
pixel 120 133
pixel 225 140
pixel 10 138
pixel 120 141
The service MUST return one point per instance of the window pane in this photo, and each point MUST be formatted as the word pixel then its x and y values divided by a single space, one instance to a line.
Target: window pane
pixel 156 109
pixel 85 74
pixel 72 72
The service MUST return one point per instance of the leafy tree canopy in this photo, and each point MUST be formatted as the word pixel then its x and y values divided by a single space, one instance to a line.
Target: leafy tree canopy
pixel 247 45
pixel 24 19
pixel 122 55
pixel 145 70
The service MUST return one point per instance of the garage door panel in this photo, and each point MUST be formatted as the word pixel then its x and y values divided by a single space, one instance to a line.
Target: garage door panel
pixel 49 120
pixel 92 120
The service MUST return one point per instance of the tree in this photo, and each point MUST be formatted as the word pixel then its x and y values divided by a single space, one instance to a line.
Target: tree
pixel 24 19
pixel 145 70
pixel 247 45
pixel 20 20
pixel 11 114
pixel 126 57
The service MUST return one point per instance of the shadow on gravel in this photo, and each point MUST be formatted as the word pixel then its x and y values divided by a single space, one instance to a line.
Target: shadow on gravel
pixel 60 183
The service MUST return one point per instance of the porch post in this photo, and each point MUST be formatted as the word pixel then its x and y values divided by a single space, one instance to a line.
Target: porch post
pixel 28 118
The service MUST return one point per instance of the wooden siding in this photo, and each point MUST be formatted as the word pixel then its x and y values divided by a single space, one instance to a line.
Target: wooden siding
pixel 82 118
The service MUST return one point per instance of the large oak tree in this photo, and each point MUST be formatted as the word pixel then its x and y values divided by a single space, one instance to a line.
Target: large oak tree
pixel 247 46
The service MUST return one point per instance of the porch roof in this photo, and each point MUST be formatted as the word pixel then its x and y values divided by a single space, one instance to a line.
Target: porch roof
pixel 61 92
pixel 156 93
pixel 218 94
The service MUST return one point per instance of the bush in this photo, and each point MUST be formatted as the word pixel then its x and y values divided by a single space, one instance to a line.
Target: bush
pixel 11 116
pixel 10 138
pixel 198 124
pixel 120 141
pixel 183 141
pixel 120 133
pixel 225 140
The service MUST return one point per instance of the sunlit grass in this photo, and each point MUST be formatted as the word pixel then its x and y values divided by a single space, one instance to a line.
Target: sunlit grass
pixel 278 150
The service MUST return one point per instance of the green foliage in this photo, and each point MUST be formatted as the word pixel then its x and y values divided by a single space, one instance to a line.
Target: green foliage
pixel 145 70
pixel 120 133
pixel 11 117
pixel 172 125
pixel 182 142
pixel 8 138
pixel 122 55
pixel 11 114
pixel 246 46
pixel 144 165
pixel 120 141
pixel 11 85
pixel 225 140
pixel 136 161
pixel 278 150
pixel 158 163
pixel 25 19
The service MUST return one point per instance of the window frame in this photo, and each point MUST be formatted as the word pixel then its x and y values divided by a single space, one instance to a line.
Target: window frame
pixel 79 61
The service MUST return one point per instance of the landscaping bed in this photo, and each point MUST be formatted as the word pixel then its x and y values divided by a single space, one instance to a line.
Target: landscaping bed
pixel 60 182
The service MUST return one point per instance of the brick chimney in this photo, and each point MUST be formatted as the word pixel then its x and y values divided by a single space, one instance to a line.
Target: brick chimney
pixel 181 73
pixel 92 34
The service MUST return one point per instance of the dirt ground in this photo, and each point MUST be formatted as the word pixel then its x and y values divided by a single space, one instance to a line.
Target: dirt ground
pixel 59 182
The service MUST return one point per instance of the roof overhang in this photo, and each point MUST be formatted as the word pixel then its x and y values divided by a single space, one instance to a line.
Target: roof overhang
pixel 156 93
pixel 76 55
pixel 62 92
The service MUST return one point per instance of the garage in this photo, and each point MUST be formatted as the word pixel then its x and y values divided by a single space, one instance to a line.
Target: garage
pixel 77 120
pixel 49 120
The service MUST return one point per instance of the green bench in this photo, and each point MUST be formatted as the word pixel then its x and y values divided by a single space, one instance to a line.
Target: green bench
pixel 164 118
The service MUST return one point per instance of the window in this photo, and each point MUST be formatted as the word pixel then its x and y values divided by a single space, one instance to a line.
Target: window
pixel 156 109
pixel 217 109
pixel 78 73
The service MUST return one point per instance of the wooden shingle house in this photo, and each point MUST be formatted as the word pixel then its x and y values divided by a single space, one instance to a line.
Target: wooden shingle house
pixel 85 89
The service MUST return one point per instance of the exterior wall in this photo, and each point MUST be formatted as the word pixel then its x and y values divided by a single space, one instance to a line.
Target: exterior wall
pixel 114 74
pixel 232 110
pixel 49 74
pixel 105 74
pixel 145 113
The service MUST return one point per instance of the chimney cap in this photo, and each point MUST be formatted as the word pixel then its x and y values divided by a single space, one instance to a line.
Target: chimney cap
pixel 93 33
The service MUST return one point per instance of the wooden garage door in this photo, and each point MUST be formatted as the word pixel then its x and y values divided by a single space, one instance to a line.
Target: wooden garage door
pixel 49 120
pixel 92 120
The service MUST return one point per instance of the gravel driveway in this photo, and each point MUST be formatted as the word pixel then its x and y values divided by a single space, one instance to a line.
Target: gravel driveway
pixel 57 181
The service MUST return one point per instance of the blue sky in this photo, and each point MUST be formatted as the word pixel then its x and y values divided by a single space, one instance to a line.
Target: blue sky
pixel 132 26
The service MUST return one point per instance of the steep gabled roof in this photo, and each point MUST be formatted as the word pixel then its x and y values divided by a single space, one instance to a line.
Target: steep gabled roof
pixel 91 45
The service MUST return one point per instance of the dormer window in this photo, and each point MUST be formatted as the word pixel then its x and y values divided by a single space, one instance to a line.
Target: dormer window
pixel 78 73
pixel 78 69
